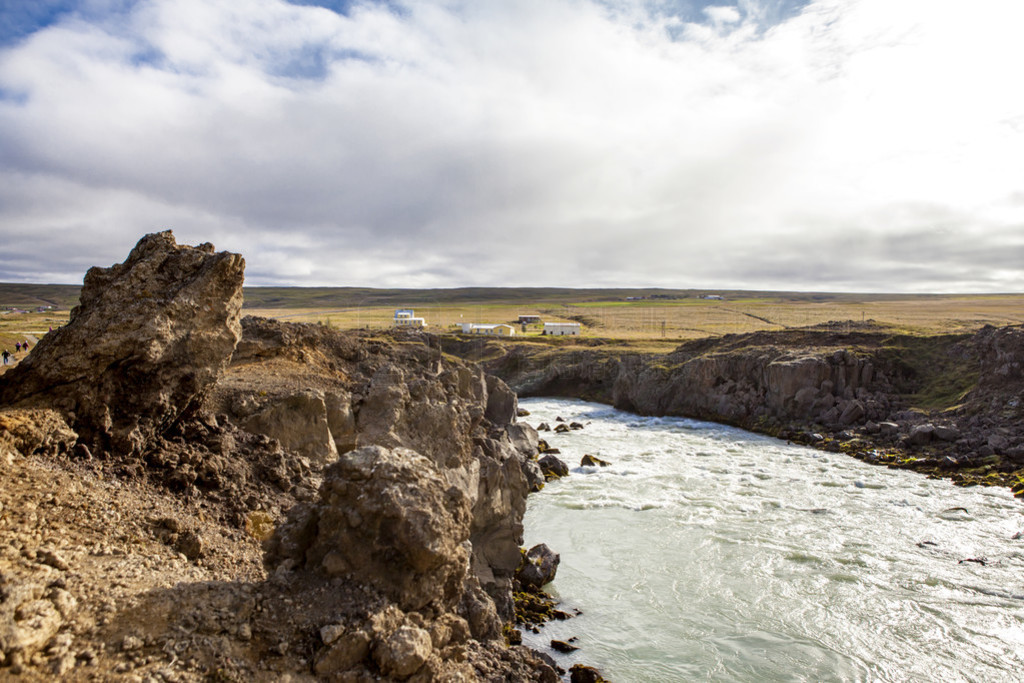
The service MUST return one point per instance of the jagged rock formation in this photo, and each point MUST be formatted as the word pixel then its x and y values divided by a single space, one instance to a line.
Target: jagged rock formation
pixel 389 481
pixel 740 380
pixel 951 401
pixel 147 340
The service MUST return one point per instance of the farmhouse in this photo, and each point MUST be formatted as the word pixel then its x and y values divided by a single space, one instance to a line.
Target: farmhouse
pixel 499 330
pixel 406 317
pixel 529 319
pixel 561 329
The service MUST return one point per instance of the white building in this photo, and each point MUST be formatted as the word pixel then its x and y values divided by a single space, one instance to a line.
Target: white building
pixel 499 330
pixel 561 329
pixel 406 317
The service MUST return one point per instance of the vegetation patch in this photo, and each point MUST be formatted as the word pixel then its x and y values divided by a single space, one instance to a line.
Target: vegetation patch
pixel 939 370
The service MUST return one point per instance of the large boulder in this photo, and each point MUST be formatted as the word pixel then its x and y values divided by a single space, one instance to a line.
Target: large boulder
pixel 147 340
pixel 540 564
pixel 387 517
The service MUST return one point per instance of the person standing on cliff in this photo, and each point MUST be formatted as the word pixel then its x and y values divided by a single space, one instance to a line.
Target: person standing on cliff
pixel 7 354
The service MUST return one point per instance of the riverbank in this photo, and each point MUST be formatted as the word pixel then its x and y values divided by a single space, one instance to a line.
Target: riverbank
pixel 947 405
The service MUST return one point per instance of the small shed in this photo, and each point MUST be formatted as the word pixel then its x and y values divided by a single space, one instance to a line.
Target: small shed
pixel 562 329
pixel 529 319
pixel 499 330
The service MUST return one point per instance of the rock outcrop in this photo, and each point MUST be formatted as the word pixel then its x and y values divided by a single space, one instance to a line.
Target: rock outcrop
pixel 389 482
pixel 148 339
pixel 947 404
pixel 748 380
pixel 538 568
pixel 389 517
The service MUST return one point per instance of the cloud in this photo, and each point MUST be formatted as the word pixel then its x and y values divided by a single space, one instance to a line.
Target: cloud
pixel 722 14
pixel 556 142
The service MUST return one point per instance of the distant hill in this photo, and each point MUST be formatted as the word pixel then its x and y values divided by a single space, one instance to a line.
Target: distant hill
pixel 66 296
pixel 33 296
pixel 341 297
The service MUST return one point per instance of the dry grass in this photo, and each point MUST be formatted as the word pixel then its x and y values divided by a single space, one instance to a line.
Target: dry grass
pixel 657 321
pixel 649 324
pixel 18 327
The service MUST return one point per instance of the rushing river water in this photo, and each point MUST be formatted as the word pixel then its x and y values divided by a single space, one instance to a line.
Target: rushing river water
pixel 707 553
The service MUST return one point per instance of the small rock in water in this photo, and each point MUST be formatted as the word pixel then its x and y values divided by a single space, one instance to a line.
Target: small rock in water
pixel 579 673
pixel 562 646
pixel 539 566
pixel 551 466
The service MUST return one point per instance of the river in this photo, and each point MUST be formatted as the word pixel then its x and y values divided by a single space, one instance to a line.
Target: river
pixel 706 553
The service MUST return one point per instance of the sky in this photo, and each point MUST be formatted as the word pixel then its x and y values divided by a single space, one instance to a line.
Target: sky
pixel 814 145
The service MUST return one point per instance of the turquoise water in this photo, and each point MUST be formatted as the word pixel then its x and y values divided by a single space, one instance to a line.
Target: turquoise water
pixel 706 553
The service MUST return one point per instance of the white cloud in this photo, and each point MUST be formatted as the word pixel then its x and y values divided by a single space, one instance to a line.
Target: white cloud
pixel 719 14
pixel 453 143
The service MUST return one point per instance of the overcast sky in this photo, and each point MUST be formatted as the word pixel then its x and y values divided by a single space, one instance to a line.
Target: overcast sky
pixel 830 145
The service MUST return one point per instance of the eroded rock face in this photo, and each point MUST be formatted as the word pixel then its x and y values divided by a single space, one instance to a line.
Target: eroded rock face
pixel 433 415
pixel 33 431
pixel 405 487
pixel 147 340
pixel 300 423
pixel 388 517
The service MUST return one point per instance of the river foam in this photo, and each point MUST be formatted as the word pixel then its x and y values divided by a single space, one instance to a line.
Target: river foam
pixel 707 553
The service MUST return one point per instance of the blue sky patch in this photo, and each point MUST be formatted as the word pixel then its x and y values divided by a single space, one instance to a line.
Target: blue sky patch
pixel 12 96
pixel 21 18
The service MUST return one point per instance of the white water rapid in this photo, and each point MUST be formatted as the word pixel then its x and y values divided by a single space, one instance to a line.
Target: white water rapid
pixel 705 553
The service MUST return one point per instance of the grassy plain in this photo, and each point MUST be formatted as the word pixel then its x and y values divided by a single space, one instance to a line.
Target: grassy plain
pixel 661 319
pixel 674 320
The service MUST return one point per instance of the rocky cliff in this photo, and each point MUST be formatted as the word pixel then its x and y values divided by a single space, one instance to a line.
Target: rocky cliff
pixel 946 405
pixel 193 495
pixel 148 338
